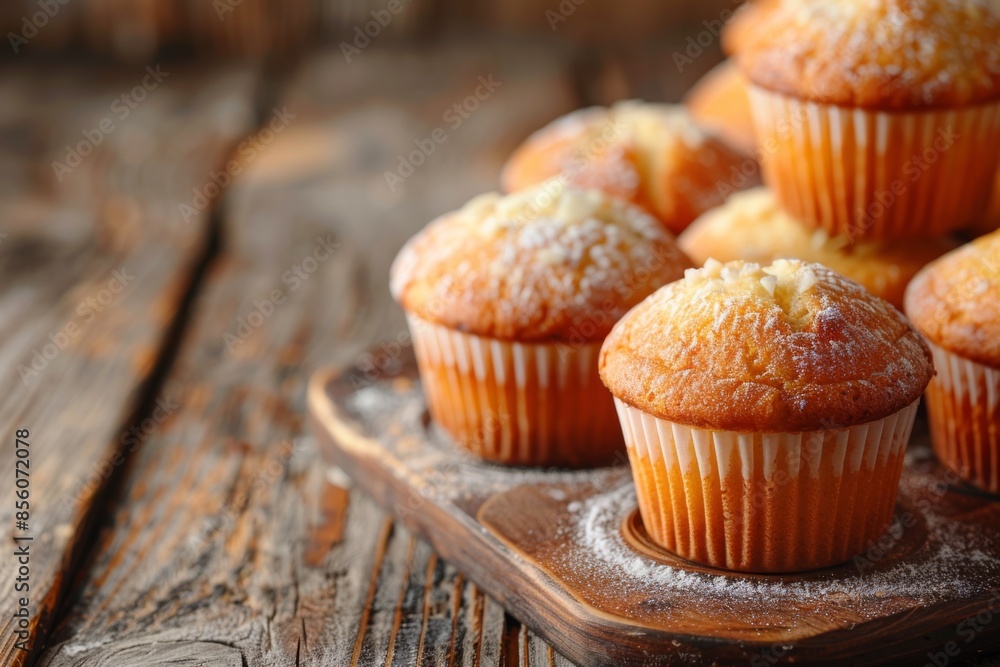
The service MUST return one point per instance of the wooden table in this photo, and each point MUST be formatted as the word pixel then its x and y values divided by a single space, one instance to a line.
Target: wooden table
pixel 201 247
pixel 164 302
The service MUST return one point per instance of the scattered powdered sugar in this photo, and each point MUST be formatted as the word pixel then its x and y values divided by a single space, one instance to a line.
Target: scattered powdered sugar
pixel 956 554
pixel 921 50
pixel 942 555
pixel 536 260
pixel 721 343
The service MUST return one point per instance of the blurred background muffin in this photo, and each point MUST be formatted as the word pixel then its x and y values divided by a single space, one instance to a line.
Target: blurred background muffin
pixel 508 301
pixel 753 227
pixel 653 155
pixel 720 101
pixel 879 119
pixel 955 303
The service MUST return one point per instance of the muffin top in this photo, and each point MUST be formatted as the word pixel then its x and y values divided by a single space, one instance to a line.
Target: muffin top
pixel 955 301
pixel 788 347
pixel 876 54
pixel 551 263
pixel 720 101
pixel 753 227
pixel 653 155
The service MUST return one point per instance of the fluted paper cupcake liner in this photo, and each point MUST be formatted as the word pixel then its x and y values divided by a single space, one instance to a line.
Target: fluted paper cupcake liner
pixel 874 174
pixel 519 403
pixel 765 502
pixel 963 406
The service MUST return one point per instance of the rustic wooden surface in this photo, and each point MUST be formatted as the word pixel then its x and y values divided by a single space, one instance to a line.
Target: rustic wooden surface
pixel 523 535
pixel 217 536
pixel 81 342
pixel 224 536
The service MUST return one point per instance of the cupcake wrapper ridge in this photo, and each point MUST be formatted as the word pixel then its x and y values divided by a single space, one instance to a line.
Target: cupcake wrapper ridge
pixel 518 403
pixel 875 174
pixel 765 502
pixel 963 406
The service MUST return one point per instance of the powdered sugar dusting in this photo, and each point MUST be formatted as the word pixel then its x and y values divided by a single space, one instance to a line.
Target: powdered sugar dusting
pixel 654 155
pixel 874 52
pixel 949 554
pixel 720 350
pixel 540 259
pixel 944 571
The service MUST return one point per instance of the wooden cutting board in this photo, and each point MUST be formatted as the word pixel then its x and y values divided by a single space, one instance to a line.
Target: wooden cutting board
pixel 565 551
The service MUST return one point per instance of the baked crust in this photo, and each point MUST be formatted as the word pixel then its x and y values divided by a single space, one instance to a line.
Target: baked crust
pixel 720 101
pixel 873 54
pixel 653 155
pixel 752 226
pixel 551 263
pixel 955 301
pixel 787 348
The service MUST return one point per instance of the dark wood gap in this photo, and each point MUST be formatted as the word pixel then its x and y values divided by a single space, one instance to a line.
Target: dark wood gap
pixel 510 649
pixel 108 497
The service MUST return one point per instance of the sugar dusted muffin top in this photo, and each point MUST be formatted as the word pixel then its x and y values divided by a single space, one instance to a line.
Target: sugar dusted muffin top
pixel 955 301
pixel 550 263
pixel 720 101
pixel 783 348
pixel 752 226
pixel 876 54
pixel 653 155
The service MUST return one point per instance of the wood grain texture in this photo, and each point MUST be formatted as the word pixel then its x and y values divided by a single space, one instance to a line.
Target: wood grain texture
pixel 95 263
pixel 229 531
pixel 538 541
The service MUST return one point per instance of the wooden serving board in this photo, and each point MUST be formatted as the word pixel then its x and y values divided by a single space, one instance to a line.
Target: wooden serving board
pixel 565 551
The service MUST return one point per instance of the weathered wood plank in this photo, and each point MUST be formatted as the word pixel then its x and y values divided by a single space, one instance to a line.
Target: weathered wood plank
pixel 229 531
pixel 95 264
pixel 527 539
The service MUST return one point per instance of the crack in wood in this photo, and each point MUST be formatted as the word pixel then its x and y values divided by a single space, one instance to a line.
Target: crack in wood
pixel 244 583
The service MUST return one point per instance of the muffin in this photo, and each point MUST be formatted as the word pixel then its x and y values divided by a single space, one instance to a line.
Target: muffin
pixel 879 119
pixel 720 102
pixel 955 303
pixel 766 411
pixel 508 300
pixel 650 154
pixel 753 227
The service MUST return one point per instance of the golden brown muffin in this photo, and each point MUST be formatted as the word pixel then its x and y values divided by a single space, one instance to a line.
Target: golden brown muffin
pixel 828 81
pixel 650 154
pixel 752 226
pixel 898 55
pixel 788 347
pixel 508 300
pixel 720 102
pixel 766 411
pixel 955 303
pixel 534 265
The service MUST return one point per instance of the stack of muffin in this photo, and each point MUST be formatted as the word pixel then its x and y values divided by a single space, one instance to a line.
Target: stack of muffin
pixel 878 128
pixel 876 124
pixel 764 405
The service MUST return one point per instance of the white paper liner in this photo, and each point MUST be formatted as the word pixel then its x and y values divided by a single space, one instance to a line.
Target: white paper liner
pixel 524 403
pixel 963 406
pixel 875 174
pixel 765 502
